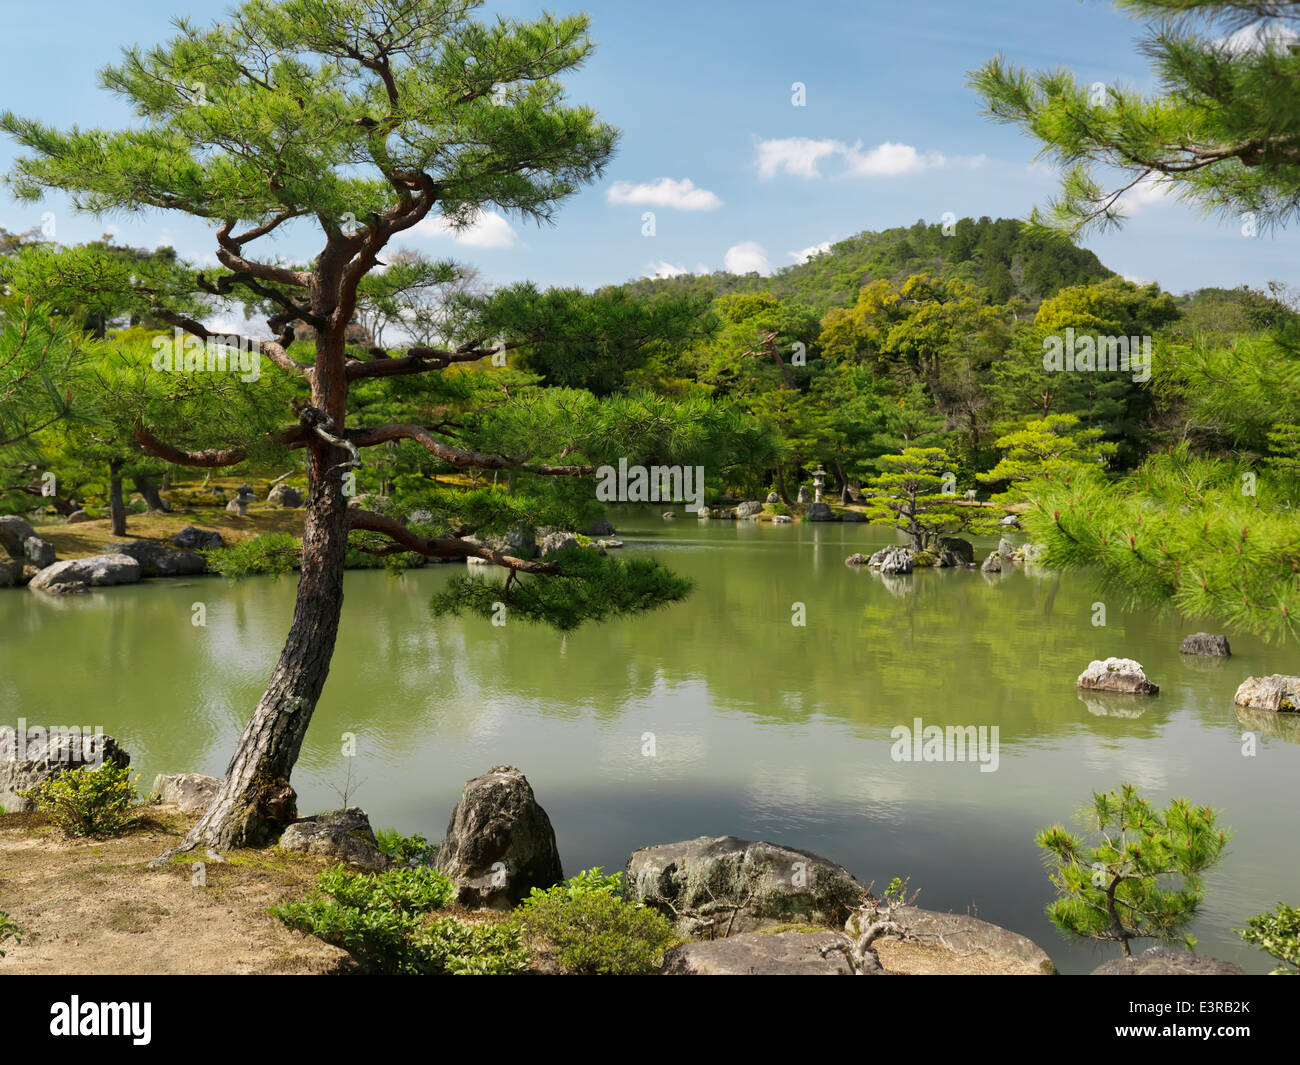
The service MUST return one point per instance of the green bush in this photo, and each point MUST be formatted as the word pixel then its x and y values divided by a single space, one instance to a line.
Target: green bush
pixel 406 849
pixel 270 553
pixel 380 919
pixel 88 801
pixel 1278 933
pixel 8 930
pixel 591 927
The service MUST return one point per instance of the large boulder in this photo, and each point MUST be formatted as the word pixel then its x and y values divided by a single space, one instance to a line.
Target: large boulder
pixel 158 560
pixel 957 942
pixel 499 843
pixel 1006 548
pixel 723 884
pixel 40 553
pixel 1116 675
pixel 892 560
pixel 772 497
pixel 819 512
pixel 340 836
pixel 1203 643
pixel 195 539
pixel 1277 692
pixel 1166 961
pixel 30 759
pixel 954 551
pixel 992 564
pixel 11 572
pixel 762 954
pixel 284 495
pixel 192 792
pixel 13 531
pixel 749 509
pixel 79 574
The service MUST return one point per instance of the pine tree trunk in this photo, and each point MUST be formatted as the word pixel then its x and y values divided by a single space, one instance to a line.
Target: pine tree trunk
pixel 256 802
pixel 144 484
pixel 116 508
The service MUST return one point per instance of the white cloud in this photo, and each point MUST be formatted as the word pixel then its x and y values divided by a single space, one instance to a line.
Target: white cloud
pixel 1152 191
pixel 797 156
pixel 810 251
pixel 747 257
pixel 1262 36
pixel 488 229
pixel 803 157
pixel 664 269
pixel 683 195
pixel 891 159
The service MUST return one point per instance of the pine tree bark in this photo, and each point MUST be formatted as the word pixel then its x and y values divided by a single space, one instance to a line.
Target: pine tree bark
pixel 145 485
pixel 116 507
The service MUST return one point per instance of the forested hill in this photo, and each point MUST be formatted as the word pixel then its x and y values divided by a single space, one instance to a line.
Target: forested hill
pixel 1004 258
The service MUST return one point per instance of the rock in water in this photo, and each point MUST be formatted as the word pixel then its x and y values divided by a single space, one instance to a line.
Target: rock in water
pixel 158 560
pixel 1202 643
pixel 856 560
pixel 1276 692
pixel 1116 675
pixel 499 843
pixel 198 539
pixel 819 512
pixel 40 553
pixel 954 551
pixel 748 509
pixel 1165 961
pixel 721 884
pixel 762 954
pixel 892 560
pixel 992 564
pixel 192 792
pixel 29 761
pixel 340 835
pixel 79 574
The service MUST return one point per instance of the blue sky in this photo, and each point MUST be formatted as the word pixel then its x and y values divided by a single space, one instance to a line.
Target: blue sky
pixel 734 173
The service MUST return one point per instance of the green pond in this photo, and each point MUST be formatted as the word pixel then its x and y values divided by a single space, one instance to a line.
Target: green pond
pixel 715 716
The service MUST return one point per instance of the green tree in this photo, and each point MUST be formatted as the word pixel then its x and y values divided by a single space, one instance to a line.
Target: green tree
pixel 1222 131
pixel 1277 933
pixel 356 120
pixel 917 493
pixel 1118 889
pixel 1054 448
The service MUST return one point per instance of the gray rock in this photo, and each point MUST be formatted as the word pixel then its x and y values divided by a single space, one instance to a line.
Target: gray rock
pixel 552 543
pixel 1277 692
pixel 499 843
pixel 192 792
pixel 600 528
pixel 749 509
pixel 41 754
pixel 340 835
pixel 762 954
pixel 78 574
pixel 198 539
pixel 962 934
pixel 668 515
pixel 954 551
pixel 158 560
pixel 724 884
pixel 781 519
pixel 1203 643
pixel 804 495
pixel 13 531
pixel 1010 522
pixel 772 497
pixel 1116 675
pixel 422 517
pixel 852 516
pixel 857 560
pixel 819 512
pixel 1030 553
pixel 78 517
pixel 284 495
pixel 1165 961
pixel 518 543
pixel 992 564
pixel 892 560
pixel 11 572
pixel 1006 549
pixel 40 553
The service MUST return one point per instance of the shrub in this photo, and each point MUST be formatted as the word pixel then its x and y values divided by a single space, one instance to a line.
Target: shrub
pixel 270 553
pixel 1278 933
pixel 409 849
pixel 590 926
pixel 380 920
pixel 88 801
pixel 8 930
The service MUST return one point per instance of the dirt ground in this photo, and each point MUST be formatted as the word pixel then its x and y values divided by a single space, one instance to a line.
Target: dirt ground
pixel 92 906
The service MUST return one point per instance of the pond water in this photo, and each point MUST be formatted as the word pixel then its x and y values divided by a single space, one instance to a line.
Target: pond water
pixel 761 728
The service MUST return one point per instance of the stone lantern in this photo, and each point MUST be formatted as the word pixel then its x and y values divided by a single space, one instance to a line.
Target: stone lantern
pixel 244 495
pixel 819 482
